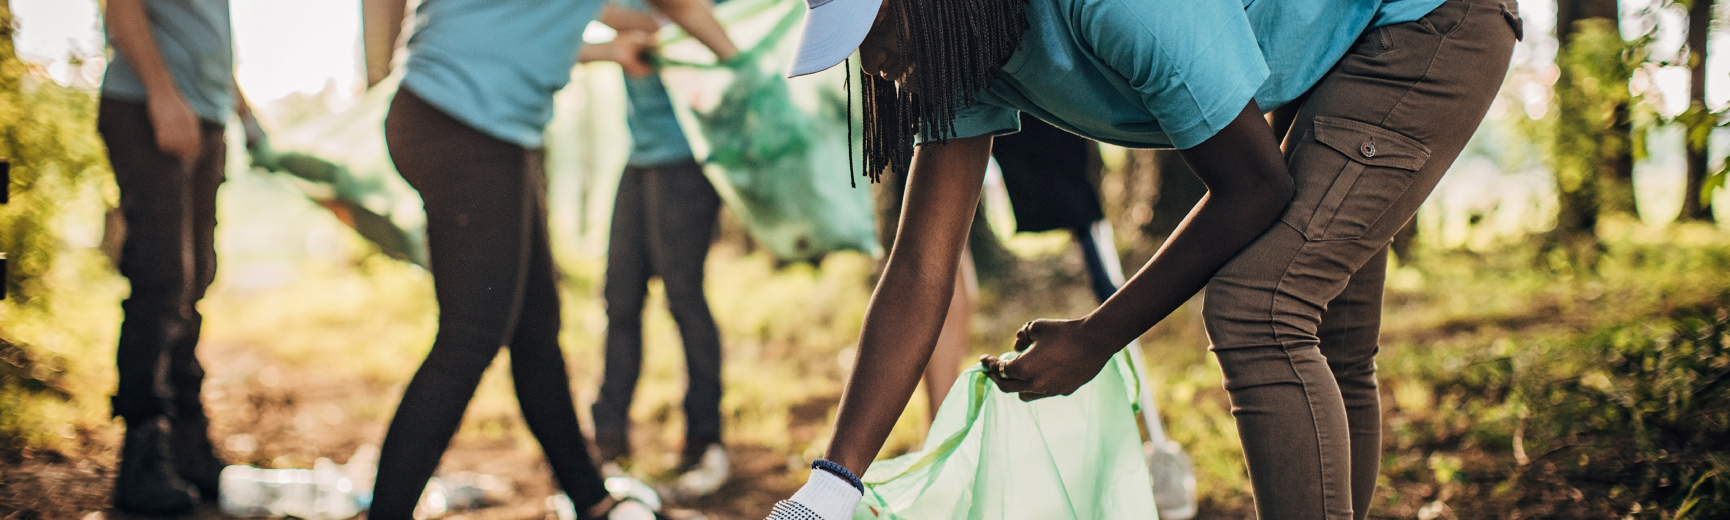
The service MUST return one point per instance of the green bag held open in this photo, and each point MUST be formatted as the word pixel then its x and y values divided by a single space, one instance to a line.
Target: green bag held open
pixel 991 456
pixel 777 150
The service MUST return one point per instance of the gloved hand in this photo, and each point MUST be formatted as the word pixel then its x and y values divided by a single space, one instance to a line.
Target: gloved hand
pixel 831 493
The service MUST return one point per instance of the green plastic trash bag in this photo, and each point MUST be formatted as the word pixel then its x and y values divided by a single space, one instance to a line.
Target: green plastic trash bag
pixel 777 150
pixel 340 161
pixel 991 456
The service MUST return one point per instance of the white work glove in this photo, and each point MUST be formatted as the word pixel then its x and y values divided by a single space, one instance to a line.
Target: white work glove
pixel 826 496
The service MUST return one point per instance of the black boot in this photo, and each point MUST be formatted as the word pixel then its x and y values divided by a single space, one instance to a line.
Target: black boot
pixel 195 458
pixel 147 482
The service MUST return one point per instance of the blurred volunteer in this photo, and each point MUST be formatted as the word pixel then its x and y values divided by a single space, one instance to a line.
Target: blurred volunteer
pixel 465 129
pixel 1374 98
pixel 663 222
pixel 166 95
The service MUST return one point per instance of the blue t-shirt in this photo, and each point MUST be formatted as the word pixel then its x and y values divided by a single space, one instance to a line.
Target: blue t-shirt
pixel 1169 73
pixel 196 44
pixel 656 138
pixel 495 64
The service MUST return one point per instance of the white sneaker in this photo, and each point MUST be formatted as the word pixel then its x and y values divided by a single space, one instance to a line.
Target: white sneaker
pixel 704 478
pixel 636 501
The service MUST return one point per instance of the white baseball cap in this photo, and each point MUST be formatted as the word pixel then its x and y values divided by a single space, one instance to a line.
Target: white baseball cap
pixel 833 29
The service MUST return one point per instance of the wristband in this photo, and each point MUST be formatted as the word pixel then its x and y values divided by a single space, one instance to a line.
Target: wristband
pixel 839 471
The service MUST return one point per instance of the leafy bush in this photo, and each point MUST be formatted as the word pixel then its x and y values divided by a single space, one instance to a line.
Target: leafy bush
pixel 47 131
pixel 1627 419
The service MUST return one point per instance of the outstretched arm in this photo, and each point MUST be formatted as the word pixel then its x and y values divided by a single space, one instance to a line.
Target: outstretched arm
pixel 698 18
pixel 381 30
pixel 907 310
pixel 628 49
pixel 1248 188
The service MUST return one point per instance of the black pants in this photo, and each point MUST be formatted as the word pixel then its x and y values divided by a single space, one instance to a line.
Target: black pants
pixel 663 223
pixel 494 277
pixel 1045 172
pixel 169 256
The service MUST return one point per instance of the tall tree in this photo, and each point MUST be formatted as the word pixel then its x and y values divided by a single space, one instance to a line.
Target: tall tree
pixel 1587 133
pixel 1616 189
pixel 1583 134
pixel 1699 119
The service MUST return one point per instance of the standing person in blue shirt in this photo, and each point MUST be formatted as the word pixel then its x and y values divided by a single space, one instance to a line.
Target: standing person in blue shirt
pixel 663 222
pixel 165 98
pixel 1374 100
pixel 465 129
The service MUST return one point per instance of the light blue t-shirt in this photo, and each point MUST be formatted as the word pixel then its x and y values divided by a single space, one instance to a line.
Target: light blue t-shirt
pixel 1169 73
pixel 196 44
pixel 656 138
pixel 495 64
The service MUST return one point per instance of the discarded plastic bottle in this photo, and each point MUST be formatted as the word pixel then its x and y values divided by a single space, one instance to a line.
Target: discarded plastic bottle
pixel 321 493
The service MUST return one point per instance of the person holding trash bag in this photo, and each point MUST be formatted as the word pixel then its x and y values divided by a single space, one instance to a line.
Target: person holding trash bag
pixel 465 129
pixel 1290 242
pixel 663 223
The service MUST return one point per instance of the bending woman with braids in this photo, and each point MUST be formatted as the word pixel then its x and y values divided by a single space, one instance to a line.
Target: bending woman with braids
pixel 1373 100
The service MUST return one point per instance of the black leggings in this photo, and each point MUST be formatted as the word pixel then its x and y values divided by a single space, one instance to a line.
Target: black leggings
pixel 493 272
pixel 663 222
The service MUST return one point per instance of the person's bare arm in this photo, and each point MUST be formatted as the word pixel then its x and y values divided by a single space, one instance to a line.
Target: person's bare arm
pixel 627 49
pixel 1248 189
pixel 381 30
pixel 622 19
pixel 907 310
pixel 698 18
pixel 175 124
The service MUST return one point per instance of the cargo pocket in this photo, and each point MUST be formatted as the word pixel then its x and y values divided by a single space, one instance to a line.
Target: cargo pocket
pixel 1378 166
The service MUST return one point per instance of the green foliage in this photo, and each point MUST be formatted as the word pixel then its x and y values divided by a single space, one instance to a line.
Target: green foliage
pixel 1634 415
pixel 1578 132
pixel 47 131
pixel 1528 394
pixel 1700 123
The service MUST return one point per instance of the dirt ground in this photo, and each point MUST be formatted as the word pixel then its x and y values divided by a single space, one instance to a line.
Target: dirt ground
pixel 287 417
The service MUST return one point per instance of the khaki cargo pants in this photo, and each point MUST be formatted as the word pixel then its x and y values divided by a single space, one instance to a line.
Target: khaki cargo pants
pixel 1295 317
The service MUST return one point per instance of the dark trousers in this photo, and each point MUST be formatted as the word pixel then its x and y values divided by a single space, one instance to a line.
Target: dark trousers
pixel 663 223
pixel 169 257
pixel 496 286
pixel 1295 317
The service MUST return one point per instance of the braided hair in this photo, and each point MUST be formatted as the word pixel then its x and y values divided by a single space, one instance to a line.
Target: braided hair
pixel 958 47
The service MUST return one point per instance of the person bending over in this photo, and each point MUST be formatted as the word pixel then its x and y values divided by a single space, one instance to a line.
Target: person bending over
pixel 1290 241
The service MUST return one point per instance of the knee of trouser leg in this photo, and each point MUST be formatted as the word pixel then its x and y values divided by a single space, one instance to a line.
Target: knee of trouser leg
pixel 1252 367
pixel 1237 316
pixel 468 343
pixel 1356 378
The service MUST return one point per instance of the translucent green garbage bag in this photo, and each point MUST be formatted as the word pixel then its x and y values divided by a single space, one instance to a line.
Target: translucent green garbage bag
pixel 991 456
pixel 340 160
pixel 777 150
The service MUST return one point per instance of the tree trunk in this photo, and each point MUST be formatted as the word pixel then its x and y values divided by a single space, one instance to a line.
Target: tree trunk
pixel 1616 170
pixel 1698 119
pixel 1588 141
